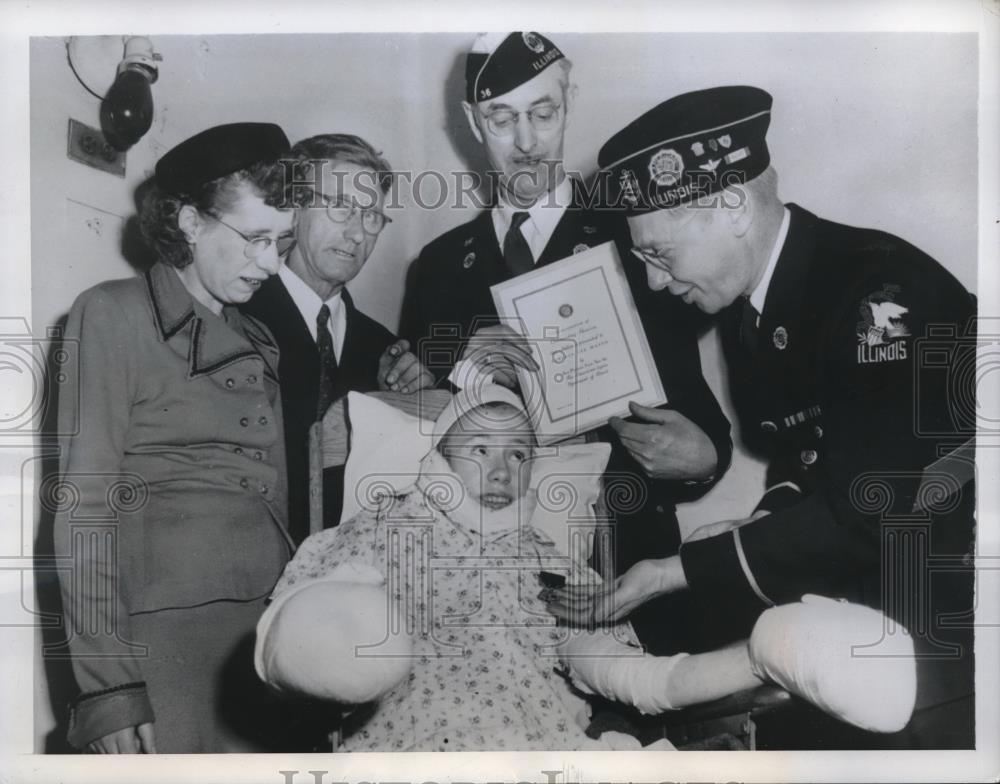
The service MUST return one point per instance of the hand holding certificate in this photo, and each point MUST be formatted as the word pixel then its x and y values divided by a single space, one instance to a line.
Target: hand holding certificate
pixel 582 328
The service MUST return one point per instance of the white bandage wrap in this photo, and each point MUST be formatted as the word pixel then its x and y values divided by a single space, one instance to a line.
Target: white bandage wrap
pixel 328 638
pixel 600 663
pixel 847 659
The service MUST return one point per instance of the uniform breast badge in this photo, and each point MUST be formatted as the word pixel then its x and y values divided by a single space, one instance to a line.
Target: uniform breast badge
pixel 780 338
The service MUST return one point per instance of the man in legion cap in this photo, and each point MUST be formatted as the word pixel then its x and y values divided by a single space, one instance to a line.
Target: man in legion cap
pixel 518 101
pixel 869 492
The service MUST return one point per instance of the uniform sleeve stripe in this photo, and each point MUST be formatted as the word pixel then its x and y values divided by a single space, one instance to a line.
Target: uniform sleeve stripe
pixel 790 484
pixel 746 569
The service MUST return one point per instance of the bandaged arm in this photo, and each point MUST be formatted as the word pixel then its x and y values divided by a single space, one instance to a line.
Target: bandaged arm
pixel 330 638
pixel 844 658
pixel 598 662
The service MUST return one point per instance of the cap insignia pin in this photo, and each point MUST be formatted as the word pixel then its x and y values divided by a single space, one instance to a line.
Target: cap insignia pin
pixel 666 167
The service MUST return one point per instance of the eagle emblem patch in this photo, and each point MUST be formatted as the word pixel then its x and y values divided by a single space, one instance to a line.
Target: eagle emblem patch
pixel 883 327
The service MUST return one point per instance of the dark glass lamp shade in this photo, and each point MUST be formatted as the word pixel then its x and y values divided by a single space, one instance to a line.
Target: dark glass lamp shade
pixel 127 108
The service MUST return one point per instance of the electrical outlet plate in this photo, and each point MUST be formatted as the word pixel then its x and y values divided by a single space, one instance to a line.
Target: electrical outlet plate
pixel 87 145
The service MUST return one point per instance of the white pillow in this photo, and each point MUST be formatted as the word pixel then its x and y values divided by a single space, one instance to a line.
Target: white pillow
pixel 384 457
pixel 388 444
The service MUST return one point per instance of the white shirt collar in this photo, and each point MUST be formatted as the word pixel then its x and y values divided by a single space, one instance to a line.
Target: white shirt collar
pixel 308 303
pixel 543 217
pixel 759 294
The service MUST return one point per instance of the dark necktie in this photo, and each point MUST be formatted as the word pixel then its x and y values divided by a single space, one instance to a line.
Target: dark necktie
pixel 327 361
pixel 516 253
pixel 748 328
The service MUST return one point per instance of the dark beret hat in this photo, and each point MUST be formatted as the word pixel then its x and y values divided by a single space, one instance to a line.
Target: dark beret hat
pixel 219 151
pixel 493 68
pixel 692 145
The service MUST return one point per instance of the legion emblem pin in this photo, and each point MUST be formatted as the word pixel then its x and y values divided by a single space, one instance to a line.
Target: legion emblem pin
pixel 780 338
pixel 666 167
pixel 533 42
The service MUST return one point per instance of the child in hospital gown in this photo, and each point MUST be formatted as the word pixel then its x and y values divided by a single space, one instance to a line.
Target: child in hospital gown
pixel 462 565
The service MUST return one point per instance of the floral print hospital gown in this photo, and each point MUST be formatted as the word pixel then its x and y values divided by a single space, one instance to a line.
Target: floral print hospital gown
pixel 483 674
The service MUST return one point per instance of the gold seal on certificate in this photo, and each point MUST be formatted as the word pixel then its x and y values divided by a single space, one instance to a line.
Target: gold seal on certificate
pixel 581 323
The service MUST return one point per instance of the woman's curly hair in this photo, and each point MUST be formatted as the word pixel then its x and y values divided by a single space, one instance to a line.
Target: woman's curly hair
pixel 159 209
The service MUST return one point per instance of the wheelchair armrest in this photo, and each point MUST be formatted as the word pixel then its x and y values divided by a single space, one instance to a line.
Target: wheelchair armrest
pixel 755 701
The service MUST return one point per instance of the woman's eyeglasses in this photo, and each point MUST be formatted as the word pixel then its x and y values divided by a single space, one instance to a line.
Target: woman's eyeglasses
pixel 259 244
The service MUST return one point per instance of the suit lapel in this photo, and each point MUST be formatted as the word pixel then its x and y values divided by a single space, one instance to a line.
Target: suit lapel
pixel 785 332
pixel 489 265
pixel 351 355
pixel 576 231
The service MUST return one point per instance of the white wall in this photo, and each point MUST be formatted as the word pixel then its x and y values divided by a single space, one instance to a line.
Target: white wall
pixel 868 129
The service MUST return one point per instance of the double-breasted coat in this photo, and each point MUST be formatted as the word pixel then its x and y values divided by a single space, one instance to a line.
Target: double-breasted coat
pixel 173 489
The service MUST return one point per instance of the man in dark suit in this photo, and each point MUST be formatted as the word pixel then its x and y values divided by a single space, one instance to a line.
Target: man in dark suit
pixel 518 98
pixel 329 347
pixel 848 353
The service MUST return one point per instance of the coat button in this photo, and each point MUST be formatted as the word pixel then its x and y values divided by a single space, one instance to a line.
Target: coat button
pixel 258 455
pixel 238 450
pixel 768 427
pixel 808 456
pixel 251 379
pixel 230 383
pixel 244 483
pixel 659 508
pixel 262 420
pixel 244 422
pixel 818 431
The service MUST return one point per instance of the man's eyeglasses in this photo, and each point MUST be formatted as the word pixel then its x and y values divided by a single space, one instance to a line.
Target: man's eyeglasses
pixel 504 121
pixel 255 246
pixel 652 259
pixel 341 211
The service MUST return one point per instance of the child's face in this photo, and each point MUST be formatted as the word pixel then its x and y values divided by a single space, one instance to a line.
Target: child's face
pixel 491 463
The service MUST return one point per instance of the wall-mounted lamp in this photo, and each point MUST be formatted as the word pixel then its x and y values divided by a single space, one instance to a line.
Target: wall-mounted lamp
pixel 127 104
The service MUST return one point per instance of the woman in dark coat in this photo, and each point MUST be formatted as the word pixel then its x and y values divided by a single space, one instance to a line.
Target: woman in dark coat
pixel 176 473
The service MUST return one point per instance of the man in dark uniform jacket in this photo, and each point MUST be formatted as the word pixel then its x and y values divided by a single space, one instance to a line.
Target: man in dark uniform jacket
pixel 517 100
pixel 337 226
pixel 851 358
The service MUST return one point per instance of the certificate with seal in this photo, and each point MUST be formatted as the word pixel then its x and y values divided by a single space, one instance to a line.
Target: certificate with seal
pixel 584 331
